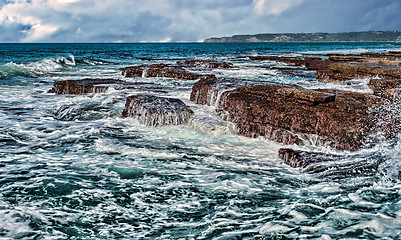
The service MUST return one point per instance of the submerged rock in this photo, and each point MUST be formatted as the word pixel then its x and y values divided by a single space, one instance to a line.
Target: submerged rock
pixel 285 113
pixel 330 164
pixel 157 111
pixel 82 112
pixel 88 85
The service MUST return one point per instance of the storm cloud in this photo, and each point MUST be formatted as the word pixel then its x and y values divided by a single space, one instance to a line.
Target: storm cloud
pixel 186 20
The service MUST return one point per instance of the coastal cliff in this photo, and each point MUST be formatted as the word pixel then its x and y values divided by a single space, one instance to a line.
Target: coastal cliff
pixel 370 36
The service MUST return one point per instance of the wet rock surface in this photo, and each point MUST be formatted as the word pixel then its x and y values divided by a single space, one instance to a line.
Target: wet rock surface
pixel 208 64
pixel 157 111
pixel 85 86
pixel 181 70
pixel 340 72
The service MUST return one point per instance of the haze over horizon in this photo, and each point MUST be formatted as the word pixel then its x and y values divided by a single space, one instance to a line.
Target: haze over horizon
pixel 187 21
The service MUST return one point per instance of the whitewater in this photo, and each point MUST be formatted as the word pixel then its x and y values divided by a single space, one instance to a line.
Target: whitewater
pixel 71 167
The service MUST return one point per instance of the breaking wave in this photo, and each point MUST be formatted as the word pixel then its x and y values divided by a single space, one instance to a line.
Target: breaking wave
pixel 36 69
pixel 338 51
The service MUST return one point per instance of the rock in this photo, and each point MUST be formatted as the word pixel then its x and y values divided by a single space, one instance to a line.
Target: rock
pixel 157 111
pixel 288 60
pixel 133 71
pixel 330 165
pixel 294 72
pixel 344 58
pixel 366 57
pixel 160 70
pixel 310 63
pixel 87 85
pixel 341 72
pixel 316 63
pixel 178 71
pixel 208 64
pixel 83 86
pixel 200 93
pixel 388 88
pixel 285 113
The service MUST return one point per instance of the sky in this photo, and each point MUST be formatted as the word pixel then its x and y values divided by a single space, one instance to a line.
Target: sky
pixel 186 20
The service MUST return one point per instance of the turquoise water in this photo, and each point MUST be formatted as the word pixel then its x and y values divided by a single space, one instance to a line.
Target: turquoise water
pixel 99 176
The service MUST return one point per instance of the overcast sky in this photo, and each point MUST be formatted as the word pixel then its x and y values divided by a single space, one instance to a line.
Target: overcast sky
pixel 186 20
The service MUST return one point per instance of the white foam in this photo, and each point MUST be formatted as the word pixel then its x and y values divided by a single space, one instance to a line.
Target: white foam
pixel 353 85
pixel 339 51
pixel 273 228
pixel 35 69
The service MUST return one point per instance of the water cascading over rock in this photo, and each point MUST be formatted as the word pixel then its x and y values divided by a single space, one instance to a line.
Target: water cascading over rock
pixel 157 111
pixel 286 113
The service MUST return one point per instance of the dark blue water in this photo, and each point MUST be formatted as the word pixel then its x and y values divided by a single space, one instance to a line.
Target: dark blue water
pixel 99 176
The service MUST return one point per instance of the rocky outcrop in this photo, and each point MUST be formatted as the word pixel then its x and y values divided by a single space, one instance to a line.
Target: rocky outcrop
pixel 85 86
pixel 294 72
pixel 342 72
pixel 368 57
pixel 308 63
pixel 286 113
pixel 339 67
pixel 157 111
pixel 330 165
pixel 208 64
pixel 181 70
pixel 160 70
pixel 387 88
pixel 288 60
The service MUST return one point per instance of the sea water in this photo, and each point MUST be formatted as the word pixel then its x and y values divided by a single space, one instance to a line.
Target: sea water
pixel 91 174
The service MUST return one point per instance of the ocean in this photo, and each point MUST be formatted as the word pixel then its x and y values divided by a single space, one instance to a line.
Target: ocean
pixel 95 175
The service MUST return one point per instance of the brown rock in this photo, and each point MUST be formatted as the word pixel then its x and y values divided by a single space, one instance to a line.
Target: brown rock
pixel 160 70
pixel 209 64
pixel 388 88
pixel 280 113
pixel 288 60
pixel 84 86
pixel 294 72
pixel 133 71
pixel 342 72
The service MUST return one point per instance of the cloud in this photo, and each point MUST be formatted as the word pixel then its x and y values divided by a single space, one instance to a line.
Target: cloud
pixel 267 7
pixel 185 20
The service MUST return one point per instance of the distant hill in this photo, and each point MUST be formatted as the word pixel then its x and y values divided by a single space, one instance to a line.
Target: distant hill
pixel 371 36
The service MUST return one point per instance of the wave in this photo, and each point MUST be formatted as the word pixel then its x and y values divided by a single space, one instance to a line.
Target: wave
pixel 340 51
pixel 92 62
pixel 36 69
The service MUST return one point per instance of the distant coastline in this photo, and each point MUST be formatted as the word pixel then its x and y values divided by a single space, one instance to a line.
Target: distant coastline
pixel 370 36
